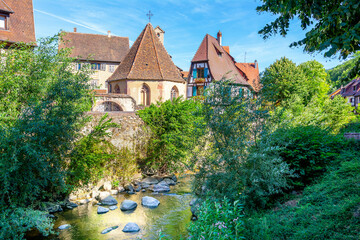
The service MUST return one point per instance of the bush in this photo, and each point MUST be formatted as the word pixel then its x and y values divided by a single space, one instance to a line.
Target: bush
pixel 172 124
pixel 218 220
pixel 14 222
pixel 327 210
pixel 308 150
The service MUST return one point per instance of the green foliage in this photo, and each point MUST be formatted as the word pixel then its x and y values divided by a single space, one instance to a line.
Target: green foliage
pixel 172 124
pixel 341 74
pixel 218 220
pixel 14 222
pixel 308 150
pixel 90 155
pixel 42 102
pixel 327 210
pixel 237 164
pixel 334 25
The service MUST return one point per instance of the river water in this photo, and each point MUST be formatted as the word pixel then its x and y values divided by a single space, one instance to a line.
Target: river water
pixel 171 217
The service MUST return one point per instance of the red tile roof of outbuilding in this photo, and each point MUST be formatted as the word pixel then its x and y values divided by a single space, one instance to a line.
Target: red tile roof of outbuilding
pixel 252 74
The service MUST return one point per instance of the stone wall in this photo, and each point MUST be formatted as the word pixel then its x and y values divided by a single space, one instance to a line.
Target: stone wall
pixel 355 136
pixel 132 133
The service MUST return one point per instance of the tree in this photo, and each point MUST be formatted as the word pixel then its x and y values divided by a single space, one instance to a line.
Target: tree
pixel 335 27
pixel 42 105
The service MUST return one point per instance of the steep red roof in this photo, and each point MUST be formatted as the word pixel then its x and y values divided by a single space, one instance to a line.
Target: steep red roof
pixel 221 63
pixel 147 59
pixel 21 21
pixel 95 46
pixel 252 74
pixel 348 90
pixel 227 49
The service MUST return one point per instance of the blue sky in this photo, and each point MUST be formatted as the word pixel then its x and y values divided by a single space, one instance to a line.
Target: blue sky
pixel 185 23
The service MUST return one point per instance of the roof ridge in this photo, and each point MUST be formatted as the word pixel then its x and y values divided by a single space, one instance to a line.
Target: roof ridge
pixel 7 6
pixel 157 57
pixel 137 51
pixel 104 35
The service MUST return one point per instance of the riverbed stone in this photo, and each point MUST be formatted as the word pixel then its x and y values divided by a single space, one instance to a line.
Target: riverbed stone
pixel 51 207
pixel 102 195
pixel 114 192
pixel 150 181
pixel 64 226
pixel 112 208
pixel 169 181
pixel 161 187
pixel 102 210
pixel 107 230
pixel 109 200
pixel 129 188
pixel 172 177
pixel 131 227
pixel 107 186
pixel 138 189
pixel 128 205
pixel 150 202
pixel 121 189
pixel 145 185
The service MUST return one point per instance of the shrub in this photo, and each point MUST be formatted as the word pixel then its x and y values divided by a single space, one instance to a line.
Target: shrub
pixel 218 220
pixel 172 124
pixel 308 150
pixel 327 210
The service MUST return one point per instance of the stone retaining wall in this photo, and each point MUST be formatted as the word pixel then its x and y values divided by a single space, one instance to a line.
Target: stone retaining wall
pixel 355 136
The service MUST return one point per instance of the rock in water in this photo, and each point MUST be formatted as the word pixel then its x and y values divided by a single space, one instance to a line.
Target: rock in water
pixel 109 200
pixel 113 207
pixel 149 180
pixel 102 210
pixel 131 227
pixel 107 186
pixel 161 187
pixel 107 230
pixel 128 205
pixel 150 202
pixel 65 226
pixel 169 182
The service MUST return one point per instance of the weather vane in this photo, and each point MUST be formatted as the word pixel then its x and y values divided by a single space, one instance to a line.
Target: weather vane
pixel 149 15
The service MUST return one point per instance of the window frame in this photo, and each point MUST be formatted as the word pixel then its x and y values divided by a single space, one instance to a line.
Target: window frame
pixel 6 21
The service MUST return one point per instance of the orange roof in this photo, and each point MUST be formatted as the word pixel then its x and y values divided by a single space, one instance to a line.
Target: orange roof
pixel 252 74
pixel 147 59
pixel 21 21
pixel 184 74
pixel 227 49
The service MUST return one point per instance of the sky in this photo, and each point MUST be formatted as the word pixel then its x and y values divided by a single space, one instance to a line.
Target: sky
pixel 185 23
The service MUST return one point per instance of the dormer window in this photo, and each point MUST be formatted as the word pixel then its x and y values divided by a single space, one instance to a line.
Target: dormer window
pixel 3 22
pixel 354 88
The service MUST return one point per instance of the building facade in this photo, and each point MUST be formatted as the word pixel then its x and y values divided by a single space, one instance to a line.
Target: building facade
pixel 147 73
pixel 212 61
pixel 350 91
pixel 17 22
pixel 102 52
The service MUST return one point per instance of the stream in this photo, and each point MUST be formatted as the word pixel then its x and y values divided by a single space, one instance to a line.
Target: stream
pixel 171 217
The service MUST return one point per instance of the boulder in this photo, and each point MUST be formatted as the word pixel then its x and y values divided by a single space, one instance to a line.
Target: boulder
pixel 83 201
pixel 150 181
pixel 95 194
pixel 129 188
pixel 102 210
pixel 64 226
pixel 159 178
pixel 51 207
pixel 172 177
pixel 192 202
pixel 121 189
pixel 145 185
pixel 150 202
pixel 109 200
pixel 107 230
pixel 161 187
pixel 138 189
pixel 143 190
pixel 70 205
pixel 131 227
pixel 169 181
pixel 112 208
pixel 114 192
pixel 107 186
pixel 128 205
pixel 102 195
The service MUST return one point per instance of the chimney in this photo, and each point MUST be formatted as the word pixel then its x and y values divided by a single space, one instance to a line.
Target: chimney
pixel 109 33
pixel 219 38
pixel 256 64
pixel 75 29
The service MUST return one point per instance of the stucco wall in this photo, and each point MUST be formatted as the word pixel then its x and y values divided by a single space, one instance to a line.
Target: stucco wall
pixel 102 76
pixel 126 102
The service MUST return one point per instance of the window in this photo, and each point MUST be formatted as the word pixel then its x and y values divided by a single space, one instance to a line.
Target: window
pixel 111 68
pixel 354 88
pixel 3 22
pixel 94 83
pixel 117 89
pixel 103 67
pixel 95 66
pixel 174 93
pixel 200 72
pixel 145 95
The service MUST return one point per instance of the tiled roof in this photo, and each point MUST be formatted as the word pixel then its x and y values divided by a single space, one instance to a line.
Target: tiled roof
pixel 21 21
pixel 348 89
pixel 227 49
pixel 184 74
pixel 219 66
pixel 95 46
pixel 251 73
pixel 147 59
pixel 4 7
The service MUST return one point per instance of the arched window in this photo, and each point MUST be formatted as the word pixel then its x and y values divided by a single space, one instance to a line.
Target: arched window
pixel 174 93
pixel 117 89
pixel 145 95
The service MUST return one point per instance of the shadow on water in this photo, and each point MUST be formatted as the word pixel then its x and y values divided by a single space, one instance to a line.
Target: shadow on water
pixel 171 217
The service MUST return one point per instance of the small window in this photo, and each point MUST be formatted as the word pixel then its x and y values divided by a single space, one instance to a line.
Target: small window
pixel 103 67
pixel 200 72
pixel 3 22
pixel 95 66
pixel 94 83
pixel 111 68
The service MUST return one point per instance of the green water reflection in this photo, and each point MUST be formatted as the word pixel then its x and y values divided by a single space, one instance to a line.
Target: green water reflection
pixel 171 217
